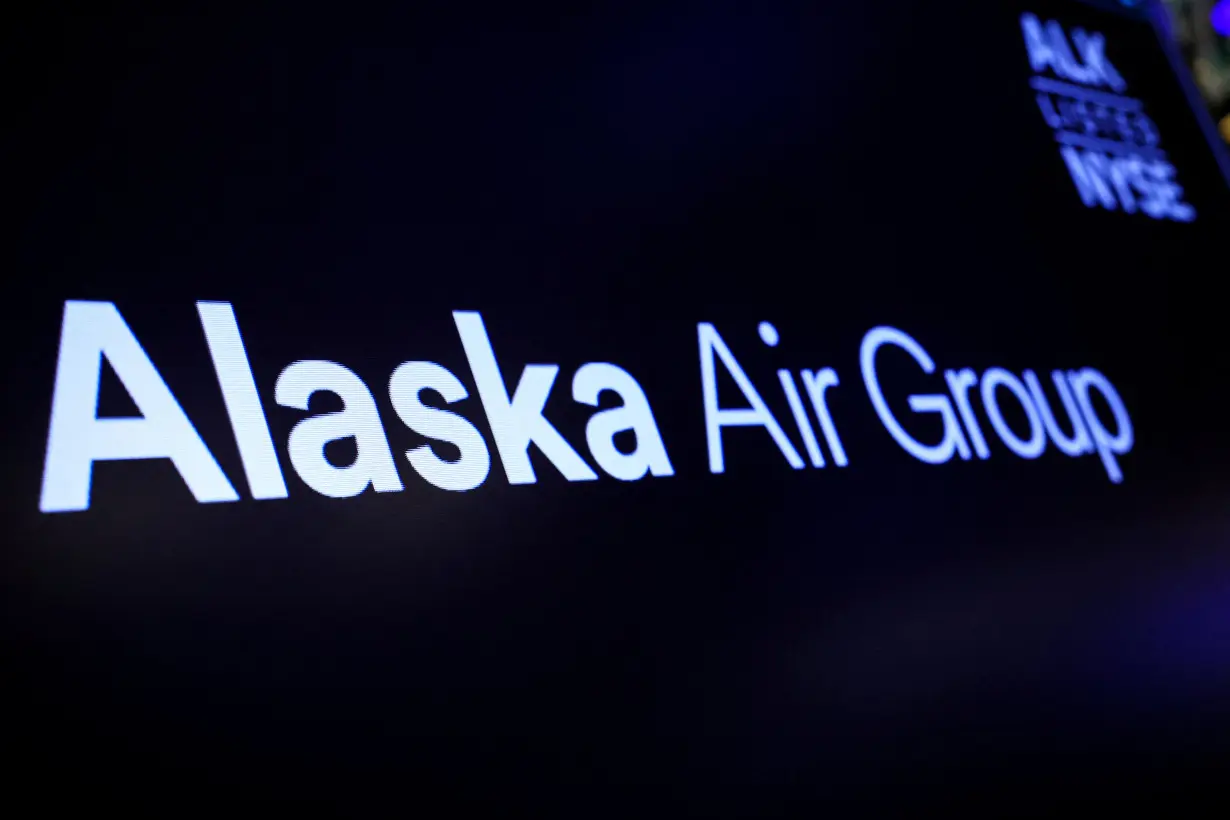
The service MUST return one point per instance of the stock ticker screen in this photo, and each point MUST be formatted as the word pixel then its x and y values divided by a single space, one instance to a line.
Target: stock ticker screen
pixel 738 409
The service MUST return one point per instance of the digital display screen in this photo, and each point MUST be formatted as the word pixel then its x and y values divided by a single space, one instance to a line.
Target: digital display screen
pixel 750 410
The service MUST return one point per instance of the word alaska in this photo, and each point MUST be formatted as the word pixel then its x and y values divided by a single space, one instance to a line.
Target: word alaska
pixel 90 331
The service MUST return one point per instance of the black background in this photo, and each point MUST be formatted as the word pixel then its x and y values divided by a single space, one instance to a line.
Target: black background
pixel 596 184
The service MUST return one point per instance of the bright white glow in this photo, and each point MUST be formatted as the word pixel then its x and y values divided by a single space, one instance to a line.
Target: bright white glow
pixel 77 437
pixel 243 404
pixel 953 441
pixel 716 418
pixel 1025 448
pixel 467 472
pixel 1108 446
pixel 650 453
pixel 517 423
pixel 359 418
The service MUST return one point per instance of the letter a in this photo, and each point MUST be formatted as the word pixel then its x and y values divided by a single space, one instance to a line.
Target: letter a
pixel 635 415
pixel 716 418
pixel 359 419
pixel 77 437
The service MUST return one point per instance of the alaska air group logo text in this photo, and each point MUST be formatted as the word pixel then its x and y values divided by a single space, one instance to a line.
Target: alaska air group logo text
pixel 90 331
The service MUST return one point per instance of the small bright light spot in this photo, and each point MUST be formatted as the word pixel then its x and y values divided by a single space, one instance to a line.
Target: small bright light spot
pixel 768 334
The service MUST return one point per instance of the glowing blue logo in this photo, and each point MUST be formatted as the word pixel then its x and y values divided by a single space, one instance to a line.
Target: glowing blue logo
pixel 1108 143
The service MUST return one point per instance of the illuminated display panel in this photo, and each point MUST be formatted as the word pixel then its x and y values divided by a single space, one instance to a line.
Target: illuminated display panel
pixel 786 406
